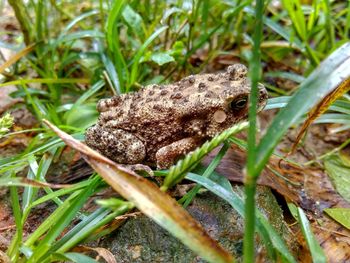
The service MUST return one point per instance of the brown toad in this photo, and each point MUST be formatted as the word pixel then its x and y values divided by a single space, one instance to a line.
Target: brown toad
pixel 159 124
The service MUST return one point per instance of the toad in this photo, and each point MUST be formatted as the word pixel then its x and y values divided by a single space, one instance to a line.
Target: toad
pixel 160 123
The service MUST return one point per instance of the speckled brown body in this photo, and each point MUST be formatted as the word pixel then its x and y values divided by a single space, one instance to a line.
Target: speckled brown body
pixel 159 124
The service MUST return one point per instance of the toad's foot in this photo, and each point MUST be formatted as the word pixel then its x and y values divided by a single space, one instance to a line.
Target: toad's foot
pixel 140 169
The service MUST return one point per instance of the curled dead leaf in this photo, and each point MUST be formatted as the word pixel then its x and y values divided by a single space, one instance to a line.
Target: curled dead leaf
pixel 320 108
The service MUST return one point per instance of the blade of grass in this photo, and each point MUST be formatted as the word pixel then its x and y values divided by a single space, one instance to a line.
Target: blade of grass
pixel 40 21
pixel 282 31
pixel 47 224
pixel 317 253
pixel 112 73
pixel 134 21
pixel 329 26
pixel 13 250
pixel 46 81
pixel 276 103
pixel 71 257
pixel 76 20
pixel 139 54
pixel 341 215
pixel 60 192
pixel 79 35
pixel 112 37
pixel 28 193
pixel 20 181
pixel 297 16
pixel 187 199
pixel 347 23
pixel 69 211
pixel 88 226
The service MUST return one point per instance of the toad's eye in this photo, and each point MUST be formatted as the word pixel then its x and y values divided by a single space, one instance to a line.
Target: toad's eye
pixel 239 103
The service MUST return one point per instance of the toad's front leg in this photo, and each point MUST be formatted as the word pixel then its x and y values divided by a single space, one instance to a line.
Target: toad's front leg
pixel 168 155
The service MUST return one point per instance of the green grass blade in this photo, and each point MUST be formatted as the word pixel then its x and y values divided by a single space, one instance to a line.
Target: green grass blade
pixel 81 116
pixel 76 20
pixel 329 26
pixel 347 22
pixel 51 143
pixel 42 81
pixel 140 53
pixel 112 73
pixel 13 250
pixel 91 91
pixel 80 35
pixel 187 199
pixel 66 212
pixel 282 31
pixel 60 192
pixel 276 103
pixel 134 21
pixel 28 194
pixel 297 16
pixel 334 118
pixel 87 226
pixel 47 224
pixel 24 20
pixel 112 36
pixel 317 253
pixel 70 257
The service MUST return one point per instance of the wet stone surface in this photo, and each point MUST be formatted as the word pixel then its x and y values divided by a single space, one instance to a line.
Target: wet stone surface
pixel 142 240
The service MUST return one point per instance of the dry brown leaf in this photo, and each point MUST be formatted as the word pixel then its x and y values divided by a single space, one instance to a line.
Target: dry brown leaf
pixel 17 57
pixel 320 108
pixel 28 182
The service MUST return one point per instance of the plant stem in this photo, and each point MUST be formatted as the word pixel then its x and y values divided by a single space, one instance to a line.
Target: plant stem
pixel 252 173
pixel 24 20
pixel 248 241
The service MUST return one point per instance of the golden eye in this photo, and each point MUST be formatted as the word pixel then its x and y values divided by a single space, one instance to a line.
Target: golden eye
pixel 239 103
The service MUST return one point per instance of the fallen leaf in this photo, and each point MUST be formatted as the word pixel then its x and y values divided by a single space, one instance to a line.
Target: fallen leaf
pixel 340 174
pixel 320 108
pixel 17 56
pixel 341 215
